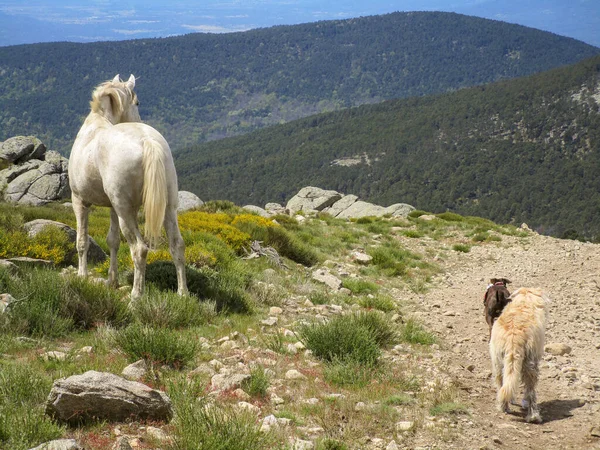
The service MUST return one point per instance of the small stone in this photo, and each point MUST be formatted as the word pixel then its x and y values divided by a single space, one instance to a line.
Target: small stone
pixel 392 446
pixel 595 431
pixel 241 394
pixel 311 401
pixel 557 349
pixel 158 434
pixel 122 443
pixel 497 440
pixel 270 322
pixel 293 374
pixel 135 371
pixel 360 406
pixel 404 426
pixel 249 407
pixel 275 311
pixel 276 400
pixel 300 444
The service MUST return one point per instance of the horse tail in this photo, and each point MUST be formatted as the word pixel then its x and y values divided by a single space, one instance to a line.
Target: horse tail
pixel 511 375
pixel 154 196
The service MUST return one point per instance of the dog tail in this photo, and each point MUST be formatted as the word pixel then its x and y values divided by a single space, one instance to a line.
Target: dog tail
pixel 511 375
pixel 155 190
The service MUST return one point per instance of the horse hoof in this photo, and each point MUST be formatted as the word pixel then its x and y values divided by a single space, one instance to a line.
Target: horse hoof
pixel 534 418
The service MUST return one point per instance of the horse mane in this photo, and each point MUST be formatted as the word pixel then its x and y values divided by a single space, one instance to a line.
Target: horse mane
pixel 118 95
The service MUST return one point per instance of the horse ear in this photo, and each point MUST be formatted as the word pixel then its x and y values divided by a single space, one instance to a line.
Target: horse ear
pixel 117 79
pixel 131 82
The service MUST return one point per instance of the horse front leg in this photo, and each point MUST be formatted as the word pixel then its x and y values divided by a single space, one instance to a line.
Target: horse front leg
pixel 83 242
pixel 113 240
pixel 177 249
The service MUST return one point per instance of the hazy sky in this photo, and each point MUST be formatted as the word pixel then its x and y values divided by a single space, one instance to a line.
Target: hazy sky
pixel 80 21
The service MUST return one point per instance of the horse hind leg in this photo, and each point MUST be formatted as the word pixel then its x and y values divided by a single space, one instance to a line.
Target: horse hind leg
pixel 138 249
pixel 113 240
pixel 83 243
pixel 177 249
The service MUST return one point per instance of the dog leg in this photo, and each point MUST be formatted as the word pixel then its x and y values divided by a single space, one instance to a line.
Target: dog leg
pixel 530 379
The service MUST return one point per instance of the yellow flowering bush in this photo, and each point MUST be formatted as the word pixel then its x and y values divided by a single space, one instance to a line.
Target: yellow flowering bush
pixel 252 219
pixel 51 244
pixel 218 224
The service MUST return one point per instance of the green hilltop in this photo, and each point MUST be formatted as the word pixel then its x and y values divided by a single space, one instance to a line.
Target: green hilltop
pixel 200 87
pixel 523 150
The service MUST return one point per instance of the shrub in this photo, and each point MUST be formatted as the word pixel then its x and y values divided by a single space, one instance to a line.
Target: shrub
pixel 399 399
pixel 258 383
pixel 51 244
pixel 393 259
pixel 218 224
pixel 227 287
pixel 448 408
pixel 417 213
pixel 379 302
pixel 414 333
pixel 202 425
pixel 331 444
pixel 156 345
pixel 463 248
pixel 291 247
pixel 23 423
pixel 358 286
pixel 356 337
pixel 170 310
pixel 348 373
pixel 89 303
pixel 451 217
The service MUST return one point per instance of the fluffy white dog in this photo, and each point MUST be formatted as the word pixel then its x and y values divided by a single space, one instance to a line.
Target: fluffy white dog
pixel 516 347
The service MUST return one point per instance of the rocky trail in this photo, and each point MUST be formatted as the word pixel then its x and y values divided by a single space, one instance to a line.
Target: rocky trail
pixel 569 386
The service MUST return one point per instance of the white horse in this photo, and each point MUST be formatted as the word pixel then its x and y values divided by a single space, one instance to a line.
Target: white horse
pixel 120 162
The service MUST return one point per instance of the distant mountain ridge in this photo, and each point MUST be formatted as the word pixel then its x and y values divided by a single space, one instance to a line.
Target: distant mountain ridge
pixel 201 87
pixel 522 150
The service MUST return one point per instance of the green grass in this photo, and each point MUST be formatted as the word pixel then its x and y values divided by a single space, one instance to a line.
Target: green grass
pixel 463 248
pixel 399 400
pixel 23 423
pixel 355 337
pixel 170 310
pixel 448 408
pixel 202 425
pixel 359 286
pixel 379 302
pixel 258 383
pixel 157 345
pixel 414 333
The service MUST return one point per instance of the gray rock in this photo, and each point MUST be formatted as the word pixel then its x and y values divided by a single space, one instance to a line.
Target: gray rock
pixel 341 205
pixel 312 198
pixel 257 210
pixel 59 444
pixel 327 278
pixel 122 443
pixel 224 382
pixel 135 371
pixel 39 186
pixel 360 209
pixel 9 174
pixel 19 149
pixel 24 261
pixel 187 201
pixel 275 208
pixel 105 396
pixel 399 210
pixel 95 252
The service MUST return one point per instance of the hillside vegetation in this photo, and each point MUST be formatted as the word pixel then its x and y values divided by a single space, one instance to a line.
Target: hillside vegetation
pixel 523 150
pixel 202 86
pixel 245 316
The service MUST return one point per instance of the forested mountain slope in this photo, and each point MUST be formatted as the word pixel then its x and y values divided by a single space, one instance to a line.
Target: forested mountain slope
pixel 200 87
pixel 521 150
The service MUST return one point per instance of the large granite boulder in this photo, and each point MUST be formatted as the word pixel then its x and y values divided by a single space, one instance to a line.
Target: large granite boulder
pixel 360 209
pixel 59 444
pixel 341 205
pixel 187 201
pixel 20 149
pixel 105 396
pixel 257 210
pixel 95 252
pixel 312 199
pixel 37 183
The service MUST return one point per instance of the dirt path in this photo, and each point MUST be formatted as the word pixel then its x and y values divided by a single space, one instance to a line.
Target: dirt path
pixel 569 386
